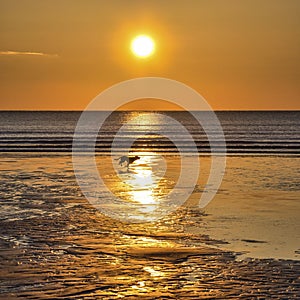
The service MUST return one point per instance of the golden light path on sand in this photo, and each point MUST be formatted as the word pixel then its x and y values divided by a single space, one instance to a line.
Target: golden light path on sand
pixel 142 186
pixel 60 246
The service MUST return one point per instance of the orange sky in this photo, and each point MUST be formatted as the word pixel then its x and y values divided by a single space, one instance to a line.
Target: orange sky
pixel 237 54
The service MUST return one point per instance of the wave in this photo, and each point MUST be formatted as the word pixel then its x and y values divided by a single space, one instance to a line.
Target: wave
pixel 245 133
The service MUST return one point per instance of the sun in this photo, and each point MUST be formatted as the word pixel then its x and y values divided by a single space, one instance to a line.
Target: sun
pixel 142 46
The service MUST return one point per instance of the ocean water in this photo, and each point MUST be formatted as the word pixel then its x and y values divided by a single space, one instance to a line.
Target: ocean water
pixel 270 132
pixel 245 244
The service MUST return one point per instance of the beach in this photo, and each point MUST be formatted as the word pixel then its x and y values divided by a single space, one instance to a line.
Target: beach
pixel 55 244
pixel 149 150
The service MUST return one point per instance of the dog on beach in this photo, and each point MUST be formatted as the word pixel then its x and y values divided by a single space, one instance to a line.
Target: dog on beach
pixel 127 160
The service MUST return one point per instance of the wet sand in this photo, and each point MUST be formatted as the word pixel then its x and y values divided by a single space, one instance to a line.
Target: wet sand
pixel 55 245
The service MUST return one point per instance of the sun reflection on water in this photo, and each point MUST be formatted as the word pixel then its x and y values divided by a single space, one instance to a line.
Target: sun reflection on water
pixel 142 183
pixel 143 196
pixel 142 178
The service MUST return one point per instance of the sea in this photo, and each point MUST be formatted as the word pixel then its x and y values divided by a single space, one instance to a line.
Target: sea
pixel 57 244
pixel 246 132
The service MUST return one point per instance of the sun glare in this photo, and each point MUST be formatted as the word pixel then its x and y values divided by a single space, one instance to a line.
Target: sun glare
pixel 142 46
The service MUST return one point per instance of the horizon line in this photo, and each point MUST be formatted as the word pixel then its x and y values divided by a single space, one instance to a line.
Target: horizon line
pixel 142 110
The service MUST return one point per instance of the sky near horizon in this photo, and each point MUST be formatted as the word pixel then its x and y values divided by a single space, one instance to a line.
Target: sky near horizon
pixel 58 55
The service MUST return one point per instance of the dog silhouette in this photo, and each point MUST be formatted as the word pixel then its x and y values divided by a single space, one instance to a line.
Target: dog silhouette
pixel 127 159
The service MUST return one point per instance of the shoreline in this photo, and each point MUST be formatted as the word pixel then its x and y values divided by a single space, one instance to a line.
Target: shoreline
pixel 240 211
pixel 55 244
pixel 99 259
